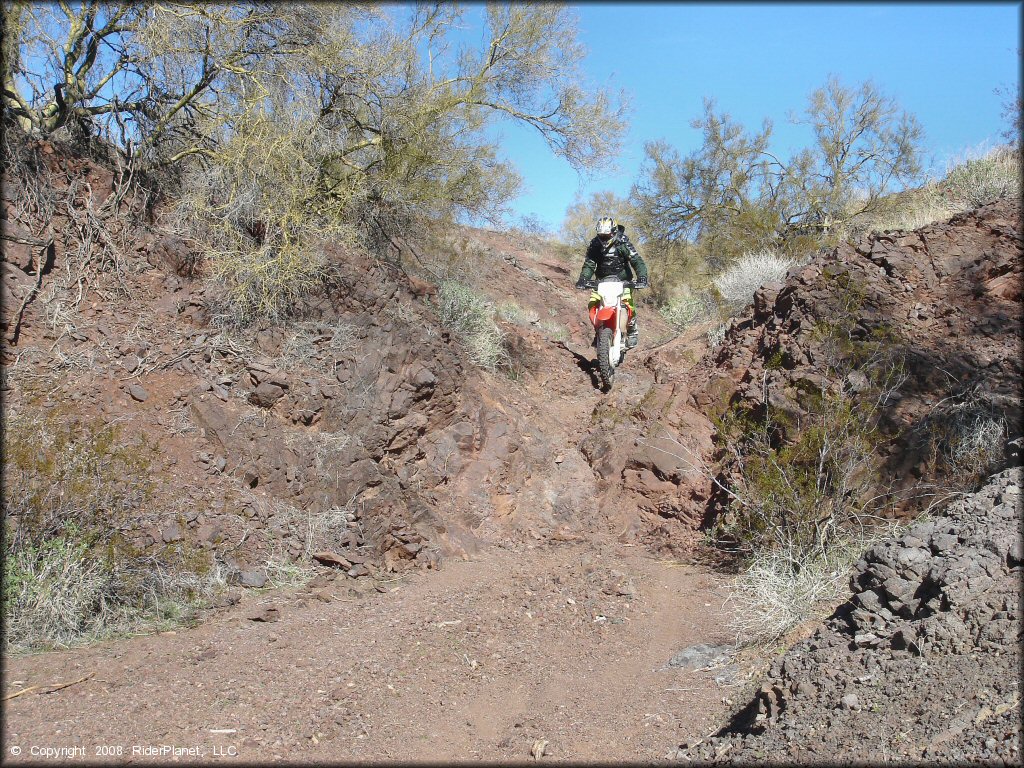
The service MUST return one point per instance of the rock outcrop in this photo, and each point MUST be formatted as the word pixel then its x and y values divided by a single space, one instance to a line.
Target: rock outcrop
pixel 944 301
pixel 922 662
pixel 356 429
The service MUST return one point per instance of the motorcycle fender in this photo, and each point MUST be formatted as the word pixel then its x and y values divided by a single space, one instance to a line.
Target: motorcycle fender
pixel 606 316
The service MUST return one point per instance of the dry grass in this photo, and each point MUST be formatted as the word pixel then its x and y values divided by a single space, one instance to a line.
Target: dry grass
pixel 981 177
pixel 511 312
pixel 786 586
pixel 740 281
pixel 689 308
pixel 553 331
pixel 470 316
pixel 75 490
pixel 319 346
pixel 912 210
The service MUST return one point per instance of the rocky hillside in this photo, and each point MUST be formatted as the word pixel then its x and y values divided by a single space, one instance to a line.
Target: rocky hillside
pixel 359 439
pixel 942 302
pixel 360 431
pixel 921 660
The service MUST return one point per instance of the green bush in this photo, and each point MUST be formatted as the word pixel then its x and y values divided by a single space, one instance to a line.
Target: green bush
pixel 803 492
pixel 807 490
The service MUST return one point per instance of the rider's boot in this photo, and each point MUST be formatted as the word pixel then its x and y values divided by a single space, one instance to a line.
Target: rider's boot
pixel 632 333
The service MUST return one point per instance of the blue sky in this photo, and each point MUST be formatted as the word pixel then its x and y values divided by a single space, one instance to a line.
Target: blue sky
pixel 941 62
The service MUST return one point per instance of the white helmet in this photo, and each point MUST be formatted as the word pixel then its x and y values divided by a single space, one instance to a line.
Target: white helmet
pixel 605 227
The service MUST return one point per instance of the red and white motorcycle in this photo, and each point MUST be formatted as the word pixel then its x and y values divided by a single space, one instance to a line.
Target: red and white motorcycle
pixel 610 317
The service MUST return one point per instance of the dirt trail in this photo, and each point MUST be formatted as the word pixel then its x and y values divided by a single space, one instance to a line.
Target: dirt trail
pixel 564 643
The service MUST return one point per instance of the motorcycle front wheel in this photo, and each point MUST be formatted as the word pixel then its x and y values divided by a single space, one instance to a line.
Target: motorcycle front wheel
pixel 604 361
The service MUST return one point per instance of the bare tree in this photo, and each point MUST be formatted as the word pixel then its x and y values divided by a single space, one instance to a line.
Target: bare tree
pixel 865 148
pixel 138 71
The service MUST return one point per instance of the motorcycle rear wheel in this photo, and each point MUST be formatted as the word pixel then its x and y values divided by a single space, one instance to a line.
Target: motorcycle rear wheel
pixel 604 361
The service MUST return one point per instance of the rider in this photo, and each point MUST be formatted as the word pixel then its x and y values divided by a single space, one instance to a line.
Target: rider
pixel 611 255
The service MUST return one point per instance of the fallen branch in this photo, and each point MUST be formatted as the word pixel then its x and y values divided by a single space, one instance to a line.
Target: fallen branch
pixel 52 688
pixel 62 686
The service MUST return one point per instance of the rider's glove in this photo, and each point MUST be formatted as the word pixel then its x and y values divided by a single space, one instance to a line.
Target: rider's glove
pixel 641 283
pixel 581 284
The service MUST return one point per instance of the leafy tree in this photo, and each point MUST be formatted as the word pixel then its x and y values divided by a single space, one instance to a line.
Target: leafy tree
pixel 694 197
pixel 578 226
pixel 733 195
pixel 292 121
pixel 865 147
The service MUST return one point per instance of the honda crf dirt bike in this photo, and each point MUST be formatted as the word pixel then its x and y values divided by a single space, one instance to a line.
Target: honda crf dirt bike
pixel 610 318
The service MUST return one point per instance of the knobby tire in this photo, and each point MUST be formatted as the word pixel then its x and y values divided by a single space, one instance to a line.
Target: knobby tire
pixel 604 362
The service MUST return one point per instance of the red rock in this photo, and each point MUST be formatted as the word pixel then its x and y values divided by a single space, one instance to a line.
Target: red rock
pixel 332 559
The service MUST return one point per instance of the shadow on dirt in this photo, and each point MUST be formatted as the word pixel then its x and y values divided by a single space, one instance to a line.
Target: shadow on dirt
pixel 589 367
pixel 585 364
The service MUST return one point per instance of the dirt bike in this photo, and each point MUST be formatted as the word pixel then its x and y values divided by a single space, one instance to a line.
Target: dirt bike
pixel 610 323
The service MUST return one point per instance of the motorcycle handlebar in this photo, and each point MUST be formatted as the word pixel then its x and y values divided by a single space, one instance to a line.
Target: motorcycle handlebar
pixel 592 285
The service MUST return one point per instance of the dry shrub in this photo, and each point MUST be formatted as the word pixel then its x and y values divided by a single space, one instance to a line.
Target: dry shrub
pixel 966 435
pixel 981 179
pixel 738 283
pixel 906 211
pixel 470 316
pixel 690 308
pixel 784 587
pixel 511 312
pixel 319 345
pixel 74 490
pixel 716 335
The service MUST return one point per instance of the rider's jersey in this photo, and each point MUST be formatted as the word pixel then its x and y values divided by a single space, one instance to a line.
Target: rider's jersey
pixel 613 258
